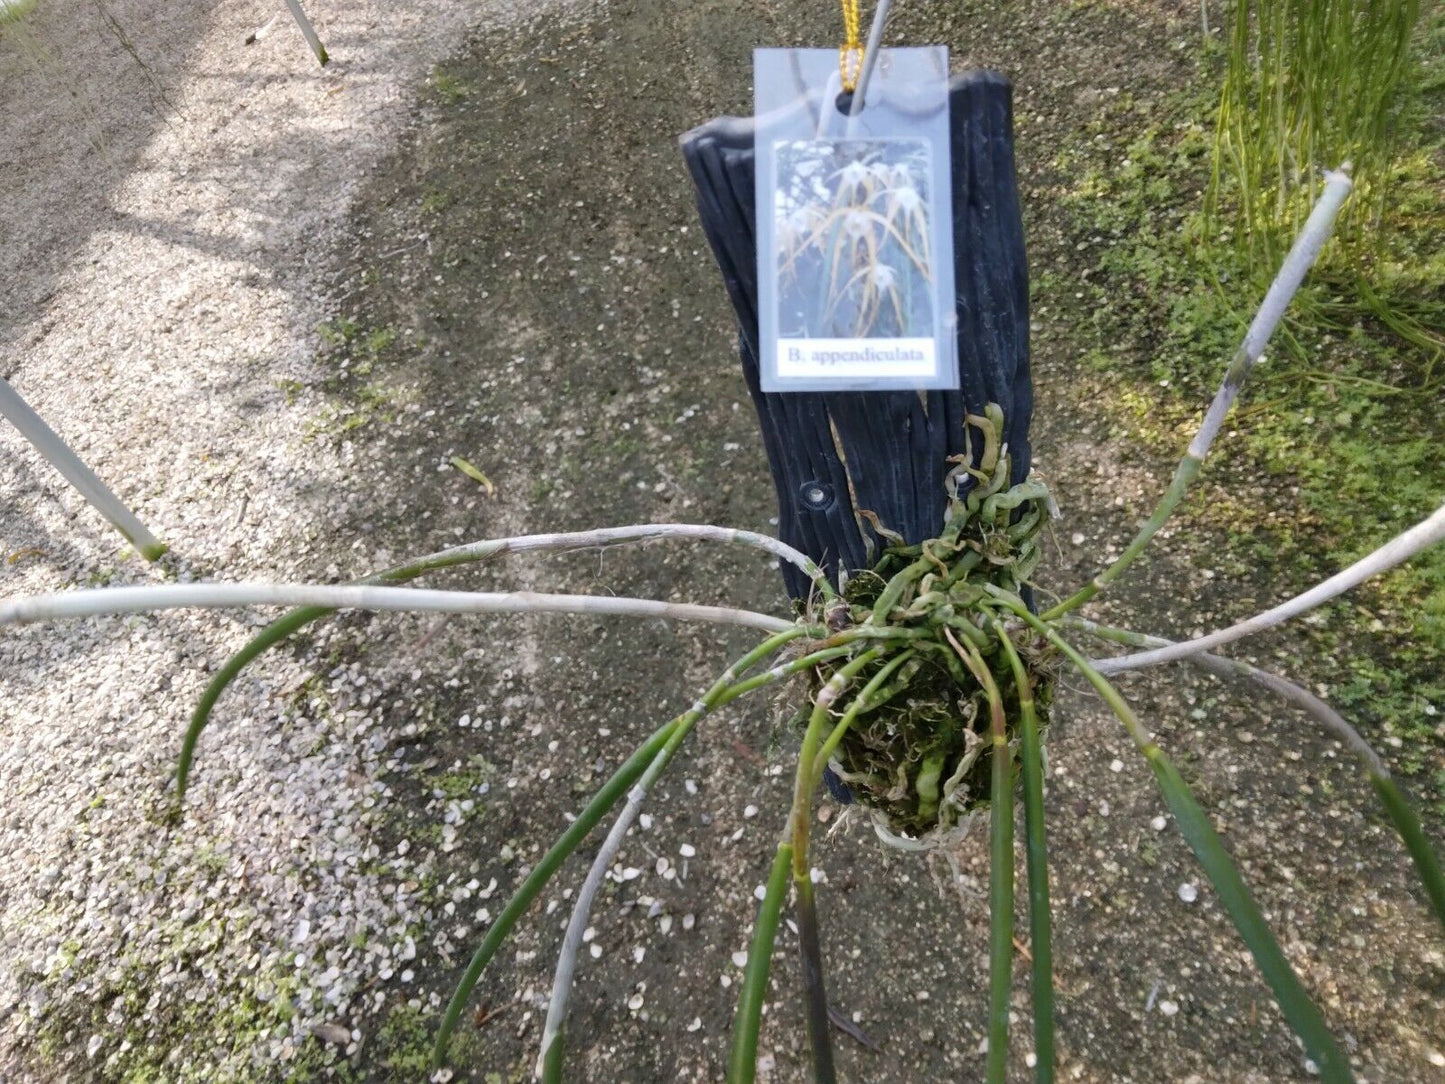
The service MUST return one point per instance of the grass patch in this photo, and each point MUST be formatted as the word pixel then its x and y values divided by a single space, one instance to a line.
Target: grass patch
pixel 1338 444
pixel 15 10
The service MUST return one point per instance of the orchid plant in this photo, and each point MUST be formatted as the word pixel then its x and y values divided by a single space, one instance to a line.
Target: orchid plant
pixel 928 679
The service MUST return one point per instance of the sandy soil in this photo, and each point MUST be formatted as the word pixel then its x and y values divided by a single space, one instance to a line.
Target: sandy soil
pixel 508 269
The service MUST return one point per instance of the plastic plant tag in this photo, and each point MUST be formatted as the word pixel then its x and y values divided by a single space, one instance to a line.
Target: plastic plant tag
pixel 854 224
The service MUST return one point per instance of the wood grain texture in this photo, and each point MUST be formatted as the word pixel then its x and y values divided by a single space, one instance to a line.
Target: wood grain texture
pixel 895 445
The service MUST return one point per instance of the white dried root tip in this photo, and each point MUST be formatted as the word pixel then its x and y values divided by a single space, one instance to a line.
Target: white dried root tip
pixel 1051 506
pixel 935 840
pixel 830 692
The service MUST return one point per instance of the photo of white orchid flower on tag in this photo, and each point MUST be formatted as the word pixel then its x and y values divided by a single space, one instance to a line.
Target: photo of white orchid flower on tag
pixel 853 244
pixel 854 225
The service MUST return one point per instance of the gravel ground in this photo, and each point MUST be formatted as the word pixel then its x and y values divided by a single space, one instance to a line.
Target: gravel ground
pixel 366 799
pixel 170 201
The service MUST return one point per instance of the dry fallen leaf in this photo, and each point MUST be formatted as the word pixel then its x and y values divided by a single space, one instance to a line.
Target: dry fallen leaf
pixel 332 1033
pixel 474 474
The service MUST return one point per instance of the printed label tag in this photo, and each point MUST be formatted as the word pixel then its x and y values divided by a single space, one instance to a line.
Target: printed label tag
pixel 854 223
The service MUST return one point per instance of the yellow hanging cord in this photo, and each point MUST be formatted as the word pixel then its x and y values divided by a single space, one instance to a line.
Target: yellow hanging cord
pixel 850 54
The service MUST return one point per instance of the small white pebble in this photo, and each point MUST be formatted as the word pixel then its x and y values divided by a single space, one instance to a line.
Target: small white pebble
pixel 760 892
pixel 750 811
pixel 631 873
pixel 1168 1008
pixel 922 995
pixel 634 1002
pixel 596 950
pixel 740 958
pixel 689 920
pixel 1158 824
pixel 1188 893
pixel 1116 765
pixel 696 1023
pixel 664 925
pixel 638 953
pixel 645 820
pixel 1077 538
pixel 690 786
pixel 687 850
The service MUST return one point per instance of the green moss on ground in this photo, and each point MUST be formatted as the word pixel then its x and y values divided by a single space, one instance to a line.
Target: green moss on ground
pixel 144 1036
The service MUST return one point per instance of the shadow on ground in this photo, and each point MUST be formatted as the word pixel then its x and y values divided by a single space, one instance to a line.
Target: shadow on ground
pixel 527 289
pixel 70 77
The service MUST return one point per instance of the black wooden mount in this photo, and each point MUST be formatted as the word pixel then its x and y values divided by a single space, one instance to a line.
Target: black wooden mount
pixel 895 445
